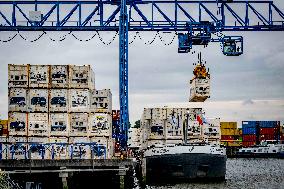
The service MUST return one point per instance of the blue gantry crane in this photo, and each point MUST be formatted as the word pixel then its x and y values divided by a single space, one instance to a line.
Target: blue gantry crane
pixel 195 23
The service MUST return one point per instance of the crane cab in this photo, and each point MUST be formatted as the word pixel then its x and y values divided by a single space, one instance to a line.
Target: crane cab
pixel 232 45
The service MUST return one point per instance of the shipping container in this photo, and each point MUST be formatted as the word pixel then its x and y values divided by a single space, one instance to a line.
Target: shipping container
pixel 18 124
pixel 58 100
pixel 228 125
pixel 3 127
pixel 80 151
pixel 269 124
pixel 38 124
pixel 227 137
pixel 194 128
pixel 81 77
pixel 17 148
pixel 247 124
pixel 174 141
pixel 269 131
pixel 100 124
pixel 59 124
pixel 59 76
pixel 59 148
pixel 155 129
pixel 269 137
pixel 211 127
pixel 18 76
pixel 38 100
pixel 199 90
pixel 248 144
pixel 251 137
pixel 115 115
pixel 39 76
pixel 17 151
pixel 3 147
pixel 101 101
pixel 79 100
pixel 38 148
pixel 174 126
pixel 78 124
pixel 18 100
pixel 229 131
pixel 249 131
pixel 103 148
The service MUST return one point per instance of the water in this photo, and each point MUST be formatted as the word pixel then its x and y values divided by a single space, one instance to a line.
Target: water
pixel 243 173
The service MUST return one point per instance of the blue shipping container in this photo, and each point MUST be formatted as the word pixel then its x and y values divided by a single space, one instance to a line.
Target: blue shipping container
pixel 249 124
pixel 269 124
pixel 249 130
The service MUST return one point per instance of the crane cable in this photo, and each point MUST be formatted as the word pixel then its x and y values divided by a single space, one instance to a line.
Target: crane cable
pixel 9 39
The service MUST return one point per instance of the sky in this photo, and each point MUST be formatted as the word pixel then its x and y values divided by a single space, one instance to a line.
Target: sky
pixel 248 87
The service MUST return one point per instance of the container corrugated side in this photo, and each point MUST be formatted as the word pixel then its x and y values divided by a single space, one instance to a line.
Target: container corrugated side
pixel 199 90
pixel 81 77
pixel 78 124
pixel 103 148
pixel 58 100
pixel 100 124
pixel 101 101
pixel 38 124
pixel 38 100
pixel 59 148
pixel 39 76
pixel 228 125
pixel 79 100
pixel 18 124
pixel 37 149
pixel 59 76
pixel 18 100
pixel 59 124
pixel 18 76
pixel 80 151
pixel 269 124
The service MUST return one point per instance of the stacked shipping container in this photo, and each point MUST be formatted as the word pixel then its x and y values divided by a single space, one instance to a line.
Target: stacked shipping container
pixel 58 104
pixel 255 132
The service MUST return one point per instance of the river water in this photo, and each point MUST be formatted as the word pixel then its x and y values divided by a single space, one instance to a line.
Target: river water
pixel 243 173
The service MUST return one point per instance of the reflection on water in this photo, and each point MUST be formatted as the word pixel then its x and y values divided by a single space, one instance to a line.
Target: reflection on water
pixel 243 173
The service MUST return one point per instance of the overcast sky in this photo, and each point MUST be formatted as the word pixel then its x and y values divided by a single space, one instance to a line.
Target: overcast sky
pixel 248 87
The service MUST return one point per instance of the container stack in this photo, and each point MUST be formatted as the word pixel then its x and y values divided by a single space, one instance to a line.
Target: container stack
pixel 58 105
pixel 115 130
pixel 160 126
pixel 230 135
pixel 255 132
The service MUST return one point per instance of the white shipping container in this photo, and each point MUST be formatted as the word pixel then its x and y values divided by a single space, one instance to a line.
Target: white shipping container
pixel 4 150
pixel 100 124
pixel 59 76
pixel 18 124
pixel 80 151
pixel 59 151
pixel 156 129
pixel 103 148
pixel 174 125
pixel 81 77
pixel 39 76
pixel 59 124
pixel 59 140
pixel 194 128
pixel 18 100
pixel 38 101
pixel 38 148
pixel 13 139
pixel 212 128
pixel 174 141
pixel 41 140
pixel 18 76
pixel 79 100
pixel 101 101
pixel 199 90
pixel 78 124
pixel 74 140
pixel 38 124
pixel 58 100
pixel 17 151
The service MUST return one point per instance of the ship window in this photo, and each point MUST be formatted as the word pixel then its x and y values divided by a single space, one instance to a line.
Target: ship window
pixel 254 150
pixel 259 150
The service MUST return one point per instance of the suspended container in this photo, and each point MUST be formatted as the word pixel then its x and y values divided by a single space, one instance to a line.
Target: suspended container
pixel 58 100
pixel 38 124
pixel 101 101
pixel 39 76
pixel 18 124
pixel 18 76
pixel 38 101
pixel 18 100
pixel 79 100
pixel 59 148
pixel 100 124
pixel 78 124
pixel 199 89
pixel 59 76
pixel 59 124
pixel 81 77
